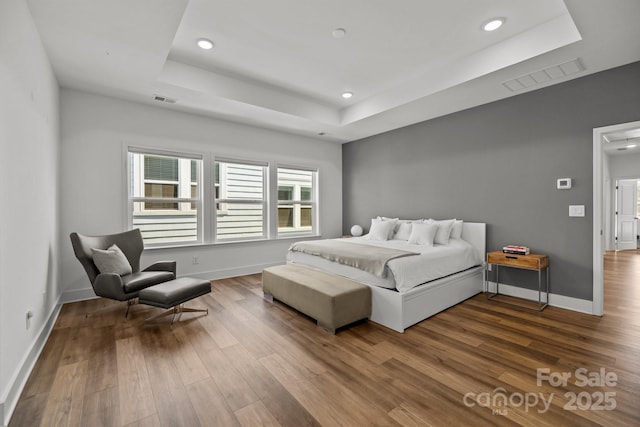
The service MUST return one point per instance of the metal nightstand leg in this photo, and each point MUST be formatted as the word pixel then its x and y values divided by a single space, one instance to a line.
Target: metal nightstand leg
pixel 546 303
pixel 492 295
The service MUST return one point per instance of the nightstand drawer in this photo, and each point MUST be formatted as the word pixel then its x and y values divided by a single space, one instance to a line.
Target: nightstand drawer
pixel 531 261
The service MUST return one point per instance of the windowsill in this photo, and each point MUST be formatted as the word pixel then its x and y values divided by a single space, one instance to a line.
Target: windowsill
pixel 234 242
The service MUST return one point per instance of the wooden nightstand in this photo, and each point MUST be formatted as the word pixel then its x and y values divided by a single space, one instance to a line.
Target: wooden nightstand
pixel 535 262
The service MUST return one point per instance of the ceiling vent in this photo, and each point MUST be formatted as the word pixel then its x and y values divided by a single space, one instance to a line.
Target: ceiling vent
pixel 543 76
pixel 164 99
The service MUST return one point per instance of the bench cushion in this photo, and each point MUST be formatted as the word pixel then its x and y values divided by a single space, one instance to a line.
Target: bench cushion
pixel 333 301
pixel 174 292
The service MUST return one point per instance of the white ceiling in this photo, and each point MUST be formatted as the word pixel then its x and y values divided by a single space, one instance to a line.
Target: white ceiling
pixel 622 142
pixel 275 63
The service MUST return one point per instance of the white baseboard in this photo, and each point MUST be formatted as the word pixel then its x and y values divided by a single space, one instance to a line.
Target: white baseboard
pixel 77 295
pixel 87 293
pixel 19 379
pixel 231 272
pixel 560 301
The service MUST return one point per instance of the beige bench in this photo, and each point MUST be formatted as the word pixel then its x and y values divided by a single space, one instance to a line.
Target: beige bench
pixel 333 301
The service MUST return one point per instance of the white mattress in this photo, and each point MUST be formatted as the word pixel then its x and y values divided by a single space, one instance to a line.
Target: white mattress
pixel 402 273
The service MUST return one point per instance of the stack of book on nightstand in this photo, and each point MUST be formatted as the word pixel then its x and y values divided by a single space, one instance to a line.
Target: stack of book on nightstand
pixel 518 250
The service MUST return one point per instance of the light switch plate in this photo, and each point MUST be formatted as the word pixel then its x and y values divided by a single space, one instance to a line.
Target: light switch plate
pixel 576 210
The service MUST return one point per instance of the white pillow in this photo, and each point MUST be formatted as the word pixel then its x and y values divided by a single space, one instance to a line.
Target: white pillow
pixel 423 233
pixel 112 260
pixel 404 230
pixel 456 230
pixel 444 231
pixel 380 230
pixel 396 225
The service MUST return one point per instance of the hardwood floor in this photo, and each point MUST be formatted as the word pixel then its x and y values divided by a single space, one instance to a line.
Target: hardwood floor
pixel 250 362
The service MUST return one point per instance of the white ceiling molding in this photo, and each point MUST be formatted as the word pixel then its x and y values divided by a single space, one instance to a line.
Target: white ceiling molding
pixel 277 64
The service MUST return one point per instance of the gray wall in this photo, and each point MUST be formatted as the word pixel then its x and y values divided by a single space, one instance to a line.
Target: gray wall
pixel 498 163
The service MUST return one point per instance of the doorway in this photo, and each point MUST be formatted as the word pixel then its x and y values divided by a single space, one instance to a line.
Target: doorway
pixel 605 140
pixel 626 214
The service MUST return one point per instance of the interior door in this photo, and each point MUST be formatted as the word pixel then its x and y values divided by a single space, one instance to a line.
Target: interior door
pixel 627 212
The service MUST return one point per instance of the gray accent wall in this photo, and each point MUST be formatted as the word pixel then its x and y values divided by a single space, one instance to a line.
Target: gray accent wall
pixel 498 163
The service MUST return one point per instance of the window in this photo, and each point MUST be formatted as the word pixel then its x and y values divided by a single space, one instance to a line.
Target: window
pixel 164 197
pixel 296 201
pixel 240 200
pixel 180 199
pixel 160 181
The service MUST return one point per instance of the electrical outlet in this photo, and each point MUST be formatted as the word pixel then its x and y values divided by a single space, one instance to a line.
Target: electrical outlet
pixel 195 260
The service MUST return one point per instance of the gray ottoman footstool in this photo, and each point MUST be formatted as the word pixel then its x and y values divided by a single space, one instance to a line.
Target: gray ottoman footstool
pixel 172 294
pixel 333 301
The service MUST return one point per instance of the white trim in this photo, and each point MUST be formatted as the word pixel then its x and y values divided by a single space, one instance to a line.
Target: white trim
pixel 232 272
pixel 77 295
pixel 598 212
pixel 265 202
pixel 88 293
pixel 191 155
pixel 240 161
pixel 598 226
pixel 560 301
pixel 21 375
pixel 313 203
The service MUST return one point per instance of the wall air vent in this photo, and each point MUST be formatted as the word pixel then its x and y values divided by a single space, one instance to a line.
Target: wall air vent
pixel 542 76
pixel 164 99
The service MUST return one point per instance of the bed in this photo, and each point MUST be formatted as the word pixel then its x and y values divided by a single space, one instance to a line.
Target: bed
pixel 402 295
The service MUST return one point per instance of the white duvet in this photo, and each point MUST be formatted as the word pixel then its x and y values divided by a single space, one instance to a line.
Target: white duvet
pixel 404 273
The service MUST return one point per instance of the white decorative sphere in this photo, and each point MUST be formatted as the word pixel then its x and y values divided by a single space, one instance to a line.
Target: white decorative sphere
pixel 356 231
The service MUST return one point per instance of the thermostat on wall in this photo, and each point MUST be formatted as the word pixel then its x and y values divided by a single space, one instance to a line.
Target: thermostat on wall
pixel 564 183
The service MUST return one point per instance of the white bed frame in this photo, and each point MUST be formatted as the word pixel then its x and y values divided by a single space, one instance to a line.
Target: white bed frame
pixel 398 311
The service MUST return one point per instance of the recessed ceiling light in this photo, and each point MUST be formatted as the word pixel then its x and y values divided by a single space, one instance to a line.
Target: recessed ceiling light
pixel 493 24
pixel 347 95
pixel 632 145
pixel 205 44
pixel 338 33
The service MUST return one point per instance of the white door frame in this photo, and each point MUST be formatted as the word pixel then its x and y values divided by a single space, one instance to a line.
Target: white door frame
pixel 598 211
pixel 621 184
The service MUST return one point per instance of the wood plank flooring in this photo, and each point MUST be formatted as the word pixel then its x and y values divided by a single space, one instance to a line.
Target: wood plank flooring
pixel 255 363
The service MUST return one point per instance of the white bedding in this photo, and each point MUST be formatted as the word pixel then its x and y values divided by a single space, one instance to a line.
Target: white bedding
pixel 404 273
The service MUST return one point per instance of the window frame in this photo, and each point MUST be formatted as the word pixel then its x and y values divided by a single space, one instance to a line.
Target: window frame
pixel 205 202
pixel 313 203
pixel 131 182
pixel 224 200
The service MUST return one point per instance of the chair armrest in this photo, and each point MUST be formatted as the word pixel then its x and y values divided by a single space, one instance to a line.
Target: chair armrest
pixel 162 266
pixel 109 285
